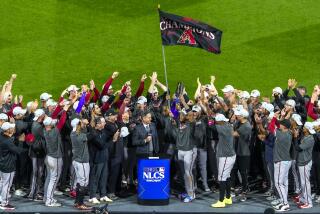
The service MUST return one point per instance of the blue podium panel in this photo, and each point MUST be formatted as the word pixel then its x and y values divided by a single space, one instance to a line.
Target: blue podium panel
pixel 153 181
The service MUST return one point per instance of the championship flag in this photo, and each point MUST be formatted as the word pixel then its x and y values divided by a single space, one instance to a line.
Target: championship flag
pixel 178 30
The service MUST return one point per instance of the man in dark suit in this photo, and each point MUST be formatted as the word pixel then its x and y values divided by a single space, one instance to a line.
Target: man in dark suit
pixel 145 137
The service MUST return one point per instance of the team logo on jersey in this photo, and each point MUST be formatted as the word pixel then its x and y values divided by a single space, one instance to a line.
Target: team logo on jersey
pixel 187 38
pixel 153 174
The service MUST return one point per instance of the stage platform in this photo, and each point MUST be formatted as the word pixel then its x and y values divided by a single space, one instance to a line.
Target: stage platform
pixel 255 204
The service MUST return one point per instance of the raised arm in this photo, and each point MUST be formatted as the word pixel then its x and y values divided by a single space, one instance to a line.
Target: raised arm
pixel 141 86
pixel 108 83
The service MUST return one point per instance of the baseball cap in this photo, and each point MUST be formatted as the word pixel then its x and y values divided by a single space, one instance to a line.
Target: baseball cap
pixel 124 132
pixel 270 116
pixel 277 90
pixel 51 102
pixel 72 88
pixel 6 125
pixel 242 112
pixel 228 88
pixel 18 110
pixel 316 123
pixel 220 118
pixel 45 96
pixel 297 119
pixel 3 116
pixel 74 124
pixel 142 100
pixel 37 114
pixel 267 106
pixel 255 93
pixel 110 112
pixel 286 123
pixel 49 121
pixel 196 108
pixel 309 126
pixel 291 103
pixel 244 95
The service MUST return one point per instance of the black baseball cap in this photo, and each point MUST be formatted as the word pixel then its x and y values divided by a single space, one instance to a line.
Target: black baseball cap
pixel 286 123
pixel 110 112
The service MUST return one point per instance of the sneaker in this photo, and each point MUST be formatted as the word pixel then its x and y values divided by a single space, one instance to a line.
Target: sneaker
pixel 19 193
pixel 73 194
pixel 243 198
pixel 277 206
pixel 57 192
pixel 7 207
pixel 182 196
pixel 38 198
pixel 318 199
pixel 271 198
pixel 313 196
pixel 105 199
pixel 305 206
pixel 206 189
pixel 227 201
pixel 218 204
pixel 94 201
pixel 54 204
pixel 284 208
pixel 275 202
pixel 296 199
pixel 188 199
pixel 82 207
pixel 112 197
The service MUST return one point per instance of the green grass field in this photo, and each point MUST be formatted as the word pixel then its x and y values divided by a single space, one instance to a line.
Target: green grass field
pixel 53 43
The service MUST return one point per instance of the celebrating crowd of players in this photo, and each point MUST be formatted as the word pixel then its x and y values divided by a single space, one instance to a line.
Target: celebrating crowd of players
pixel 87 142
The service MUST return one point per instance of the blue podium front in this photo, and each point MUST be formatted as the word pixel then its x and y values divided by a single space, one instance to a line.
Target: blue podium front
pixel 153 181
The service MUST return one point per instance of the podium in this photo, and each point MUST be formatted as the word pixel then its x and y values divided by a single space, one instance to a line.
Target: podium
pixel 154 181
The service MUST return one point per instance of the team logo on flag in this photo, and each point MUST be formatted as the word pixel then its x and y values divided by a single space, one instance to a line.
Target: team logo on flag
pixel 187 38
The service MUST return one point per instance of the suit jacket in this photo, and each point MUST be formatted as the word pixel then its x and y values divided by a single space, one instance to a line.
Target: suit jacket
pixel 140 134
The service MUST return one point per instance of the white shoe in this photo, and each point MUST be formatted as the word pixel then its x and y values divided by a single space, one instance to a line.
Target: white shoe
pixel 54 204
pixel 275 202
pixel 105 199
pixel 19 192
pixel 57 192
pixel 94 201
pixel 284 208
pixel 278 206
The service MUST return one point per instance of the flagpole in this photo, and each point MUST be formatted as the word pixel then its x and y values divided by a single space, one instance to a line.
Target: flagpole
pixel 165 68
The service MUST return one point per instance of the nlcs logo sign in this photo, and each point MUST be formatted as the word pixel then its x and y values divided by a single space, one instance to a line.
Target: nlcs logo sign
pixel 153 174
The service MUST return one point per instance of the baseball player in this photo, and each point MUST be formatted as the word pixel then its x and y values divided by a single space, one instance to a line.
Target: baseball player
pixel 281 159
pixel 304 162
pixel 226 158
pixel 80 160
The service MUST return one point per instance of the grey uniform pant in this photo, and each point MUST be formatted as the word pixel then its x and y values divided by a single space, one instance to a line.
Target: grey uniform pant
pixel 297 188
pixel 281 171
pixel 5 185
pixel 54 168
pixel 82 171
pixel 304 171
pixel 202 163
pixel 186 161
pixel 37 173
pixel 225 165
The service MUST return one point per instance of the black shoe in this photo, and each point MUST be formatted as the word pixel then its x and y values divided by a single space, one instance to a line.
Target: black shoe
pixel 7 207
pixel 113 197
pixel 38 198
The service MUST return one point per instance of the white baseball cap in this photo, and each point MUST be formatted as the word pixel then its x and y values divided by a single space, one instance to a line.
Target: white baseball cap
pixel 244 95
pixel 72 88
pixel 142 100
pixel 316 123
pixel 45 96
pixel 277 90
pixel 124 132
pixel 49 121
pixel 242 112
pixel 220 118
pixel 291 103
pixel 309 127
pixel 3 116
pixel 51 102
pixel 255 93
pixel 267 106
pixel 6 125
pixel 297 119
pixel 196 108
pixel 228 88
pixel 105 98
pixel 37 114
pixel 74 124
pixel 18 110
